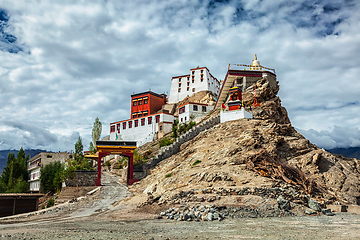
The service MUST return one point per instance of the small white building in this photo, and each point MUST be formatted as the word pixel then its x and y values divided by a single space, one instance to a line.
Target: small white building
pixel 193 110
pixel 41 160
pixel 226 116
pixel 199 79
pixel 142 129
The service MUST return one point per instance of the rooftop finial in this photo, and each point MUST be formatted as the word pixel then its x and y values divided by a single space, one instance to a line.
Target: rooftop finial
pixel 255 57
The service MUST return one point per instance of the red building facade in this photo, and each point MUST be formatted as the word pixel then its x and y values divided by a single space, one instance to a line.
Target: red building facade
pixel 146 103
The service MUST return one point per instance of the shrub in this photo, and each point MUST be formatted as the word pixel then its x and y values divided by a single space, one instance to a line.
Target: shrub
pixel 165 142
pixel 168 175
pixel 196 162
pixel 107 164
pixel 50 203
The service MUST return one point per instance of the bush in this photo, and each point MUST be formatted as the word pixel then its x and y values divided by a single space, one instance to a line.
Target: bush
pixel 51 177
pixel 165 142
pixel 168 175
pixel 107 164
pixel 196 162
pixel 50 203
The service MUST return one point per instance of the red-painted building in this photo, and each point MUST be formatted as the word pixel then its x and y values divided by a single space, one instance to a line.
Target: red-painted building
pixel 146 103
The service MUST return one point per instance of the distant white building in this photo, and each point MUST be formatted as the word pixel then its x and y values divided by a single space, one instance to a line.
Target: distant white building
pixel 195 110
pixel 199 79
pixel 41 160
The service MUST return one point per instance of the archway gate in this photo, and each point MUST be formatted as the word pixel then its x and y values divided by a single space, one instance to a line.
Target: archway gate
pixel 125 148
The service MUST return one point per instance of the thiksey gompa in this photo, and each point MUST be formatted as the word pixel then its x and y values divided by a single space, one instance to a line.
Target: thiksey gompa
pixel 153 115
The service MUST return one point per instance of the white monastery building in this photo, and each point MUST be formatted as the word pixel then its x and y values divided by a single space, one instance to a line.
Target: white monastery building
pixel 193 110
pixel 199 79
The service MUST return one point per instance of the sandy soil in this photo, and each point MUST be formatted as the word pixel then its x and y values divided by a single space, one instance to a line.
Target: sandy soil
pixel 111 214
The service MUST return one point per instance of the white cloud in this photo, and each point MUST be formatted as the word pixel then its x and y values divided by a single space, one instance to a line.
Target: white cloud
pixel 83 59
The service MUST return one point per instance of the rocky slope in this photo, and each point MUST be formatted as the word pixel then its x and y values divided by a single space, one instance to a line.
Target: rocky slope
pixel 221 162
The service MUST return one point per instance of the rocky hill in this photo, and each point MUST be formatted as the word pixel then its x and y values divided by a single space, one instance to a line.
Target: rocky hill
pixel 264 156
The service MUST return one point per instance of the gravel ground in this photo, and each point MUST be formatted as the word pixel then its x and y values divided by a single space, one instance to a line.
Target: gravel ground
pixel 340 226
pixel 98 217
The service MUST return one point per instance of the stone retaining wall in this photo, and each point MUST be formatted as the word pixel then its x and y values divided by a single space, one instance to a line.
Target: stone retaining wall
pixel 83 178
pixel 174 148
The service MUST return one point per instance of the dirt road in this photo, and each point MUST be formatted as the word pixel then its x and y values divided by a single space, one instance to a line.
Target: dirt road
pixel 97 217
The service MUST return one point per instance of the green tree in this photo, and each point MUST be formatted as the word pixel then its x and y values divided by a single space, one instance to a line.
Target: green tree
pixel 92 148
pixel 96 131
pixel 14 178
pixel 79 148
pixel 51 177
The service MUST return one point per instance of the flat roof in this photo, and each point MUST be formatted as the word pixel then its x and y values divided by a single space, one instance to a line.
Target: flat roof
pixel 148 92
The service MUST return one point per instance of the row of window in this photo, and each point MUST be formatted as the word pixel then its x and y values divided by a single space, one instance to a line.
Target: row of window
pixel 187 89
pixel 129 124
pixel 35 175
pixel 140 114
pixel 195 108
pixel 137 102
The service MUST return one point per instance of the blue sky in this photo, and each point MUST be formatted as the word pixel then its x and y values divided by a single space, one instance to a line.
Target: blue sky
pixel 64 63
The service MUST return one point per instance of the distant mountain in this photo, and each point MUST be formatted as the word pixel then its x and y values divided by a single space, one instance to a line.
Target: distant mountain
pixel 352 152
pixel 4 154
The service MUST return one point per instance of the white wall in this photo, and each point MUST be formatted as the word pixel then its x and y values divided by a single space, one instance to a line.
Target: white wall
pixel 141 134
pixel 208 83
pixel 234 115
pixel 189 110
pixel 34 179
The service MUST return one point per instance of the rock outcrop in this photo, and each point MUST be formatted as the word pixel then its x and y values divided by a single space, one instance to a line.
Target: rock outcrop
pixel 218 158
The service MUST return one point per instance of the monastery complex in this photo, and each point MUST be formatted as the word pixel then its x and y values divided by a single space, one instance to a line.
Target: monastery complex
pixel 153 115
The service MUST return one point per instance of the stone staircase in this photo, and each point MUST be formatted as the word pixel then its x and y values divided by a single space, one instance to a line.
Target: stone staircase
pixel 168 151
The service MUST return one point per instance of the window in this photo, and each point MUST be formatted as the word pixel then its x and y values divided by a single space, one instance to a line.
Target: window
pixel 193 72
pixel 195 107
pixel 136 123
pixel 179 79
pixel 134 103
pixel 201 79
pixel 149 120
pixel 143 122
pixel 140 102
pixel 202 70
pixel 188 78
pixel 181 119
pixel 112 128
pixel 193 89
pixel 185 119
pixel 204 108
pixel 179 84
pixel 139 115
pixel 201 75
pixel 145 114
pixel 193 81
pixel 130 124
pixel 157 118
pixel 118 127
pixel 187 89
pixel 145 101
pixel 188 83
pixel 160 128
pixel 181 110
pixel 124 125
pixel 193 77
pixel 179 90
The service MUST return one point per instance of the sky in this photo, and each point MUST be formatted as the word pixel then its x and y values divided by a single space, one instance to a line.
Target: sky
pixel 64 63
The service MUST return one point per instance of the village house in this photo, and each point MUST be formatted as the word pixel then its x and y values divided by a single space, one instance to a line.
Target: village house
pixel 41 160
